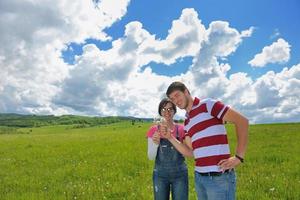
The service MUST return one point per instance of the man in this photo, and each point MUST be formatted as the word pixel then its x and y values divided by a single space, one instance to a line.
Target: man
pixel 206 140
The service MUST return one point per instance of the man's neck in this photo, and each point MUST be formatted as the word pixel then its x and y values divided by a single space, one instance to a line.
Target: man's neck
pixel 190 104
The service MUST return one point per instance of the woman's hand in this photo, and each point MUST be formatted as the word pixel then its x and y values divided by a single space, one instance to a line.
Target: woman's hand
pixel 165 132
pixel 156 137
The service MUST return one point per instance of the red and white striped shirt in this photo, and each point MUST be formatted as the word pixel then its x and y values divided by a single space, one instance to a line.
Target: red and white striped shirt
pixel 204 125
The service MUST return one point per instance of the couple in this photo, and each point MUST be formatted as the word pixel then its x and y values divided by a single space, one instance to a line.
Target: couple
pixel 202 137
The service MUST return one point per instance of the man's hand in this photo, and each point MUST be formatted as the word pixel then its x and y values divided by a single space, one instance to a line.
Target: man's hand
pixel 229 163
pixel 156 137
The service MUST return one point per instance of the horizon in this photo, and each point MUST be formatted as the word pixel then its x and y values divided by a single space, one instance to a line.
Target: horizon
pixel 143 118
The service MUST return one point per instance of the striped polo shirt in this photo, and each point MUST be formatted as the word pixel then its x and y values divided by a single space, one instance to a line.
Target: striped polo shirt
pixel 204 125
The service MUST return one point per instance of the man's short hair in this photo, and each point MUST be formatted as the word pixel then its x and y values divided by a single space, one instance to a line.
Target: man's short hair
pixel 175 86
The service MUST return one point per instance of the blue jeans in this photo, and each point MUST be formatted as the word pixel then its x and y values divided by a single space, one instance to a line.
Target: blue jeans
pixel 176 182
pixel 216 187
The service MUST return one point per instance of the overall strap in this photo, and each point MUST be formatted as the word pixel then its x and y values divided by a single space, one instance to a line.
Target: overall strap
pixel 177 132
pixel 157 130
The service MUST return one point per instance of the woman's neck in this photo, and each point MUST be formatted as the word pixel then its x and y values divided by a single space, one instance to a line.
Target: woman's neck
pixel 170 123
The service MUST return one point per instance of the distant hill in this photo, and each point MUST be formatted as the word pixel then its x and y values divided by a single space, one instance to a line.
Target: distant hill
pixel 18 120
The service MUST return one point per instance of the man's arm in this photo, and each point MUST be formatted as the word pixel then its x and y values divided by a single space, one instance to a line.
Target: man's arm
pixel 184 148
pixel 241 127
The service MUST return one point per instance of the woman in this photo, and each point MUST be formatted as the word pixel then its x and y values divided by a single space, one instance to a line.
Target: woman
pixel 170 172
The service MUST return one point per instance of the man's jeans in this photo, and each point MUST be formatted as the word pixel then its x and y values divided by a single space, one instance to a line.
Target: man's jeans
pixel 216 187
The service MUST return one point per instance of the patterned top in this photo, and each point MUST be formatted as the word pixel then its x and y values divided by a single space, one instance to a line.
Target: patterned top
pixel 204 125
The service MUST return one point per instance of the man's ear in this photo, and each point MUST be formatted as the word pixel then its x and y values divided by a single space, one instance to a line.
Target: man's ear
pixel 186 92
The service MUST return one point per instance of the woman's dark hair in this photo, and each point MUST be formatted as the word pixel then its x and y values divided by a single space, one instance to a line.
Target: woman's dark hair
pixel 163 103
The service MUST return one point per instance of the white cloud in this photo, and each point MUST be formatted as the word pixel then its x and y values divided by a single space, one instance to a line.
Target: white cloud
pixel 273 97
pixel 119 81
pixel 278 52
pixel 101 80
pixel 91 78
pixel 209 73
pixel 33 33
pixel 184 39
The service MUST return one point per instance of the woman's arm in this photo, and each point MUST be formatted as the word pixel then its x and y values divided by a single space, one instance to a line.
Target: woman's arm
pixel 152 149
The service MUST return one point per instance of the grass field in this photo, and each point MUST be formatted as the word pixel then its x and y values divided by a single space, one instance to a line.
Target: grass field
pixel 110 162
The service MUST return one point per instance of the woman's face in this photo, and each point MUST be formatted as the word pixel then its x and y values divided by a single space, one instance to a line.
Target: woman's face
pixel 167 111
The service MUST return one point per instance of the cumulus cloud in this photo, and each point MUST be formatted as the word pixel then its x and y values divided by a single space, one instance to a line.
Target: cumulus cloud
pixel 278 52
pixel 277 97
pixel 120 80
pixel 91 78
pixel 209 71
pixel 101 82
pixel 184 39
pixel 33 33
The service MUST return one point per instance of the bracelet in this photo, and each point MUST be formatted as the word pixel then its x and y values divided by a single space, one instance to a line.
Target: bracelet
pixel 240 158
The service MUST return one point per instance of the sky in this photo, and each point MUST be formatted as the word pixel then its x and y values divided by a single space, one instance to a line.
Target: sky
pixel 118 57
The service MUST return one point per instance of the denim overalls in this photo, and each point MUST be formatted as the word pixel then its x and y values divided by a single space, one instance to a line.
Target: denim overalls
pixel 170 172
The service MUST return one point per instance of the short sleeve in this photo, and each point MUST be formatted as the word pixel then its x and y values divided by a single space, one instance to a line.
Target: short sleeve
pixel 151 131
pixel 216 108
pixel 181 132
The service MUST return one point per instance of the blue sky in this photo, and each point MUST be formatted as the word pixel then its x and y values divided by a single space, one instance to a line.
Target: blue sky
pixel 272 19
pixel 117 57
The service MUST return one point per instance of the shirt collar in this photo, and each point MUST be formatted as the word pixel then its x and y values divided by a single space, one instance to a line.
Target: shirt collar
pixel 195 103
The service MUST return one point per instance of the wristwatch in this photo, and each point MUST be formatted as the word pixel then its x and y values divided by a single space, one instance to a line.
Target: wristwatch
pixel 240 158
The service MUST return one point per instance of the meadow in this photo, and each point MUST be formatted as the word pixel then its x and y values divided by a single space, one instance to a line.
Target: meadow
pixel 110 162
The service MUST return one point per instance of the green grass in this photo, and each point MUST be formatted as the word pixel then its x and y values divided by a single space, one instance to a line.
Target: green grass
pixel 110 162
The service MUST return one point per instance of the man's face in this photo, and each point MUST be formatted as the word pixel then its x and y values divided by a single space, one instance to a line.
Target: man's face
pixel 179 99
